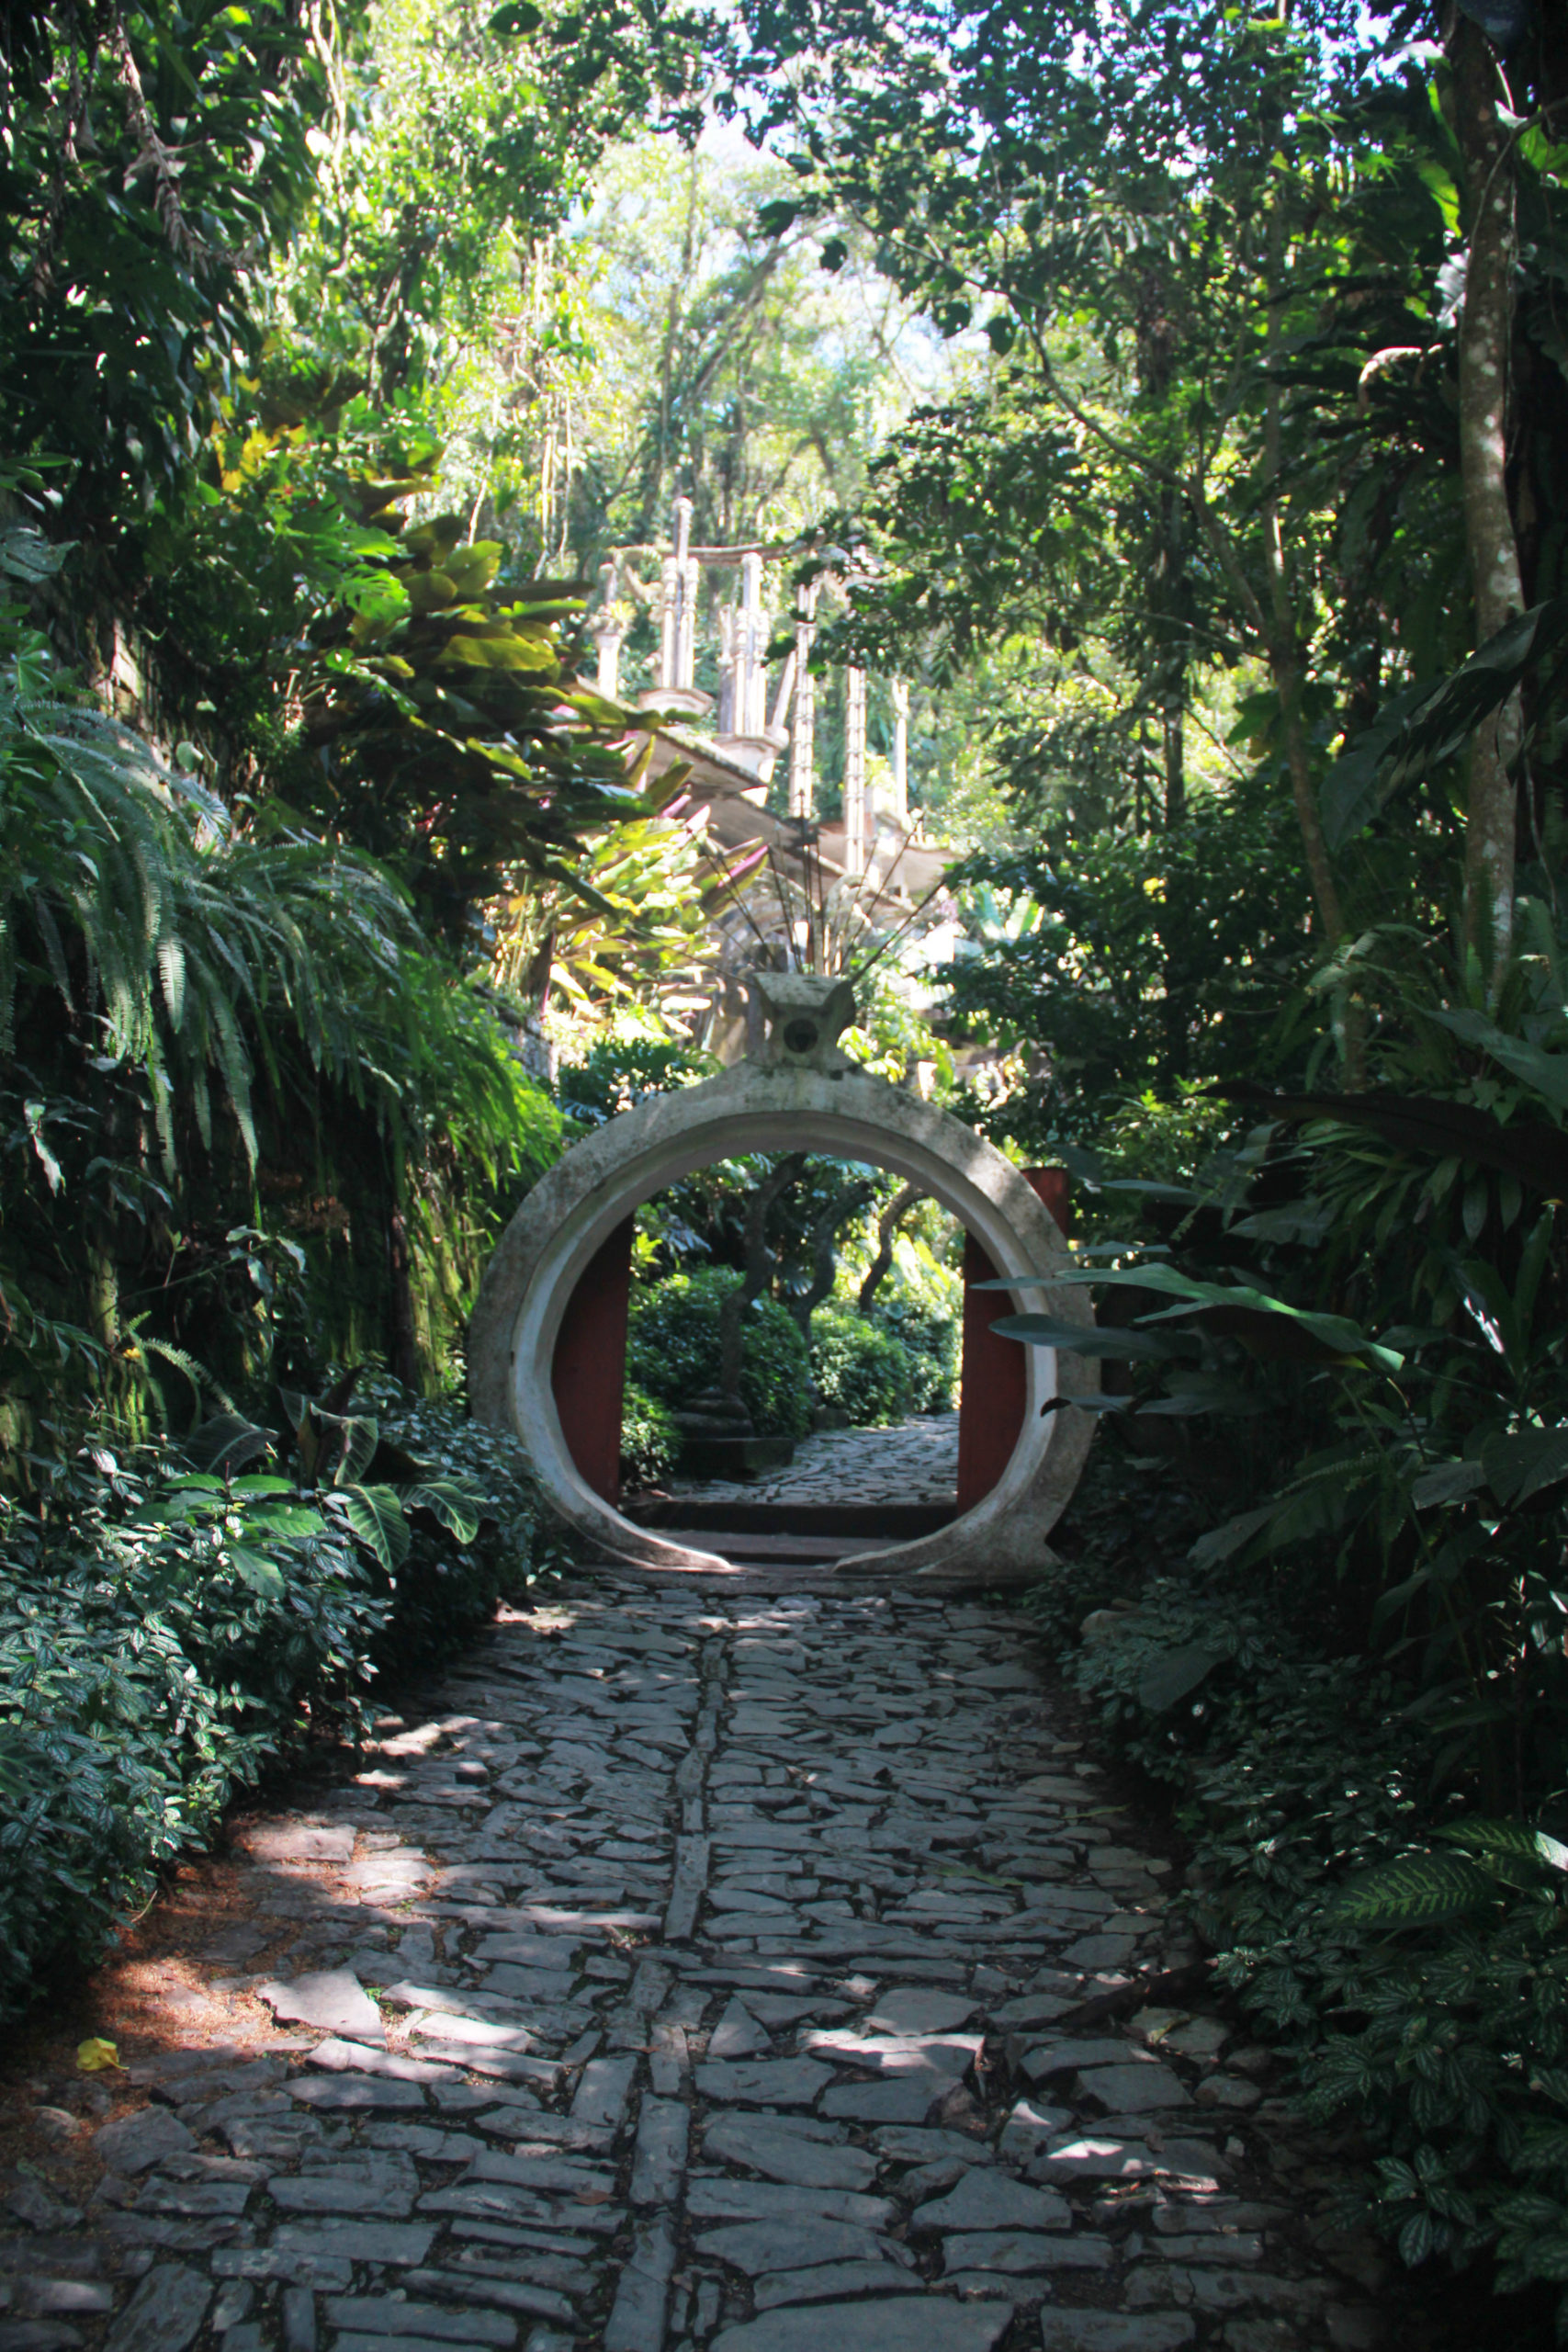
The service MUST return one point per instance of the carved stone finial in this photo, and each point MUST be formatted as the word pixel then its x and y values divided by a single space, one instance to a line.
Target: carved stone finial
pixel 794 1020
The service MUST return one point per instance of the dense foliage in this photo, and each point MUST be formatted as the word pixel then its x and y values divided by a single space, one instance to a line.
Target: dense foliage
pixel 876 1369
pixel 673 1350
pixel 166 1632
pixel 1185 401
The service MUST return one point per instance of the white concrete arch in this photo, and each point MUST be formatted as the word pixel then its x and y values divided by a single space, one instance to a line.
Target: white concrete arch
pixel 810 1099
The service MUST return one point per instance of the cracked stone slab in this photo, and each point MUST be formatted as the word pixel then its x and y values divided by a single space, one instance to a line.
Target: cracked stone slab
pixel 987 2199
pixel 765 2200
pixel 637 2317
pixel 927 2324
pixel 297 1841
pixel 389 2315
pixel 764 2082
pixel 131 2142
pixel 807 2162
pixel 833 2280
pixel 163 2314
pixel 756 2247
pixel 1024 2250
pixel 332 2000
pixel 1063 2331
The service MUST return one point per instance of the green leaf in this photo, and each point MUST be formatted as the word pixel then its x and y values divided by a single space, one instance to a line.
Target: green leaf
pixel 225 1443
pixel 1086 1339
pixel 1423 727
pixel 1515 1839
pixel 375 1514
pixel 1221 1542
pixel 1447 1482
pixel 1177 1673
pixel 1418 1891
pixel 1430 1128
pixel 1518 1466
pixel 254 1568
pixel 1345 1340
pixel 293 1523
pixel 1548 1073
pixel 458 1510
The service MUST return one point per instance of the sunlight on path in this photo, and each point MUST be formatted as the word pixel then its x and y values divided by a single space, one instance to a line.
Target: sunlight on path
pixel 729 1960
pixel 911 1462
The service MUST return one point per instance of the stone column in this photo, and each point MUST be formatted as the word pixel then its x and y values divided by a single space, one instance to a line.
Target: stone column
pixel 680 580
pixel 728 670
pixel 668 618
pixel 752 678
pixel 688 581
pixel 855 842
pixel 900 809
pixel 803 734
pixel 608 631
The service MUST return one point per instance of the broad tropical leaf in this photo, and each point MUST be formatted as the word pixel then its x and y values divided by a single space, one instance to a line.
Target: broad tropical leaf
pixel 1514 1839
pixel 1177 1674
pixel 1418 1891
pixel 1086 1339
pixel 1518 1466
pixel 457 1508
pixel 376 1515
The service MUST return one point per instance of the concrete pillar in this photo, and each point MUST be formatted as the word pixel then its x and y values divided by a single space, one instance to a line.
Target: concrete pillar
pixel 754 674
pixel 856 842
pixel 688 581
pixel 993 1382
pixel 668 621
pixel 588 1372
pixel 803 734
pixel 900 809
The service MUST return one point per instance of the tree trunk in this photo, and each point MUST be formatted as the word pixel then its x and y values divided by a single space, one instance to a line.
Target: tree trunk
pixel 824 1256
pixel 887 1225
pixel 404 1350
pixel 759 1268
pixel 1485 329
pixel 1287 661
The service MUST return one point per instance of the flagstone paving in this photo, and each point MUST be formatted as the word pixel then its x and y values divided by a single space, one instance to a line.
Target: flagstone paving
pixel 909 1462
pixel 704 1970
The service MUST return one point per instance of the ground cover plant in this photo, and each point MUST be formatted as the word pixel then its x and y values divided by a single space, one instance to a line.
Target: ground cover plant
pixel 174 1619
pixel 1351 1674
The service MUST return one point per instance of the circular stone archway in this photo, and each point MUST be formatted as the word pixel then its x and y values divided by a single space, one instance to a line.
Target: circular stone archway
pixel 795 1091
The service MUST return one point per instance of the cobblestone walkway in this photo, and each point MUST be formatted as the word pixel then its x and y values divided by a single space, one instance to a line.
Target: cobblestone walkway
pixel 912 1462
pixel 702 1972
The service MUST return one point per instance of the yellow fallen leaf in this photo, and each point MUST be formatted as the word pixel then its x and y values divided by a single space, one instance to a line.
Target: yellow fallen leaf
pixel 94 2056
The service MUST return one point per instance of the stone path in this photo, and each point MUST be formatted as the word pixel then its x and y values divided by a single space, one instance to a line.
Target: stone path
pixel 701 1972
pixel 910 1461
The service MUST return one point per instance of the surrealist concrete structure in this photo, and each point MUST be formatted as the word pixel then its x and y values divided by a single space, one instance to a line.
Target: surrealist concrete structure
pixel 797 1090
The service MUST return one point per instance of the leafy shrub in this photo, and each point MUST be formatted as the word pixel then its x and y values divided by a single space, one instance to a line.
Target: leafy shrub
pixel 931 1340
pixel 673 1350
pixel 1411 1960
pixel 154 1650
pixel 164 1632
pixel 861 1368
pixel 649 1439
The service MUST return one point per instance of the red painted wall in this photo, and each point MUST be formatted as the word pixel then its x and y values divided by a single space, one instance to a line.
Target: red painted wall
pixel 991 1390
pixel 588 1373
